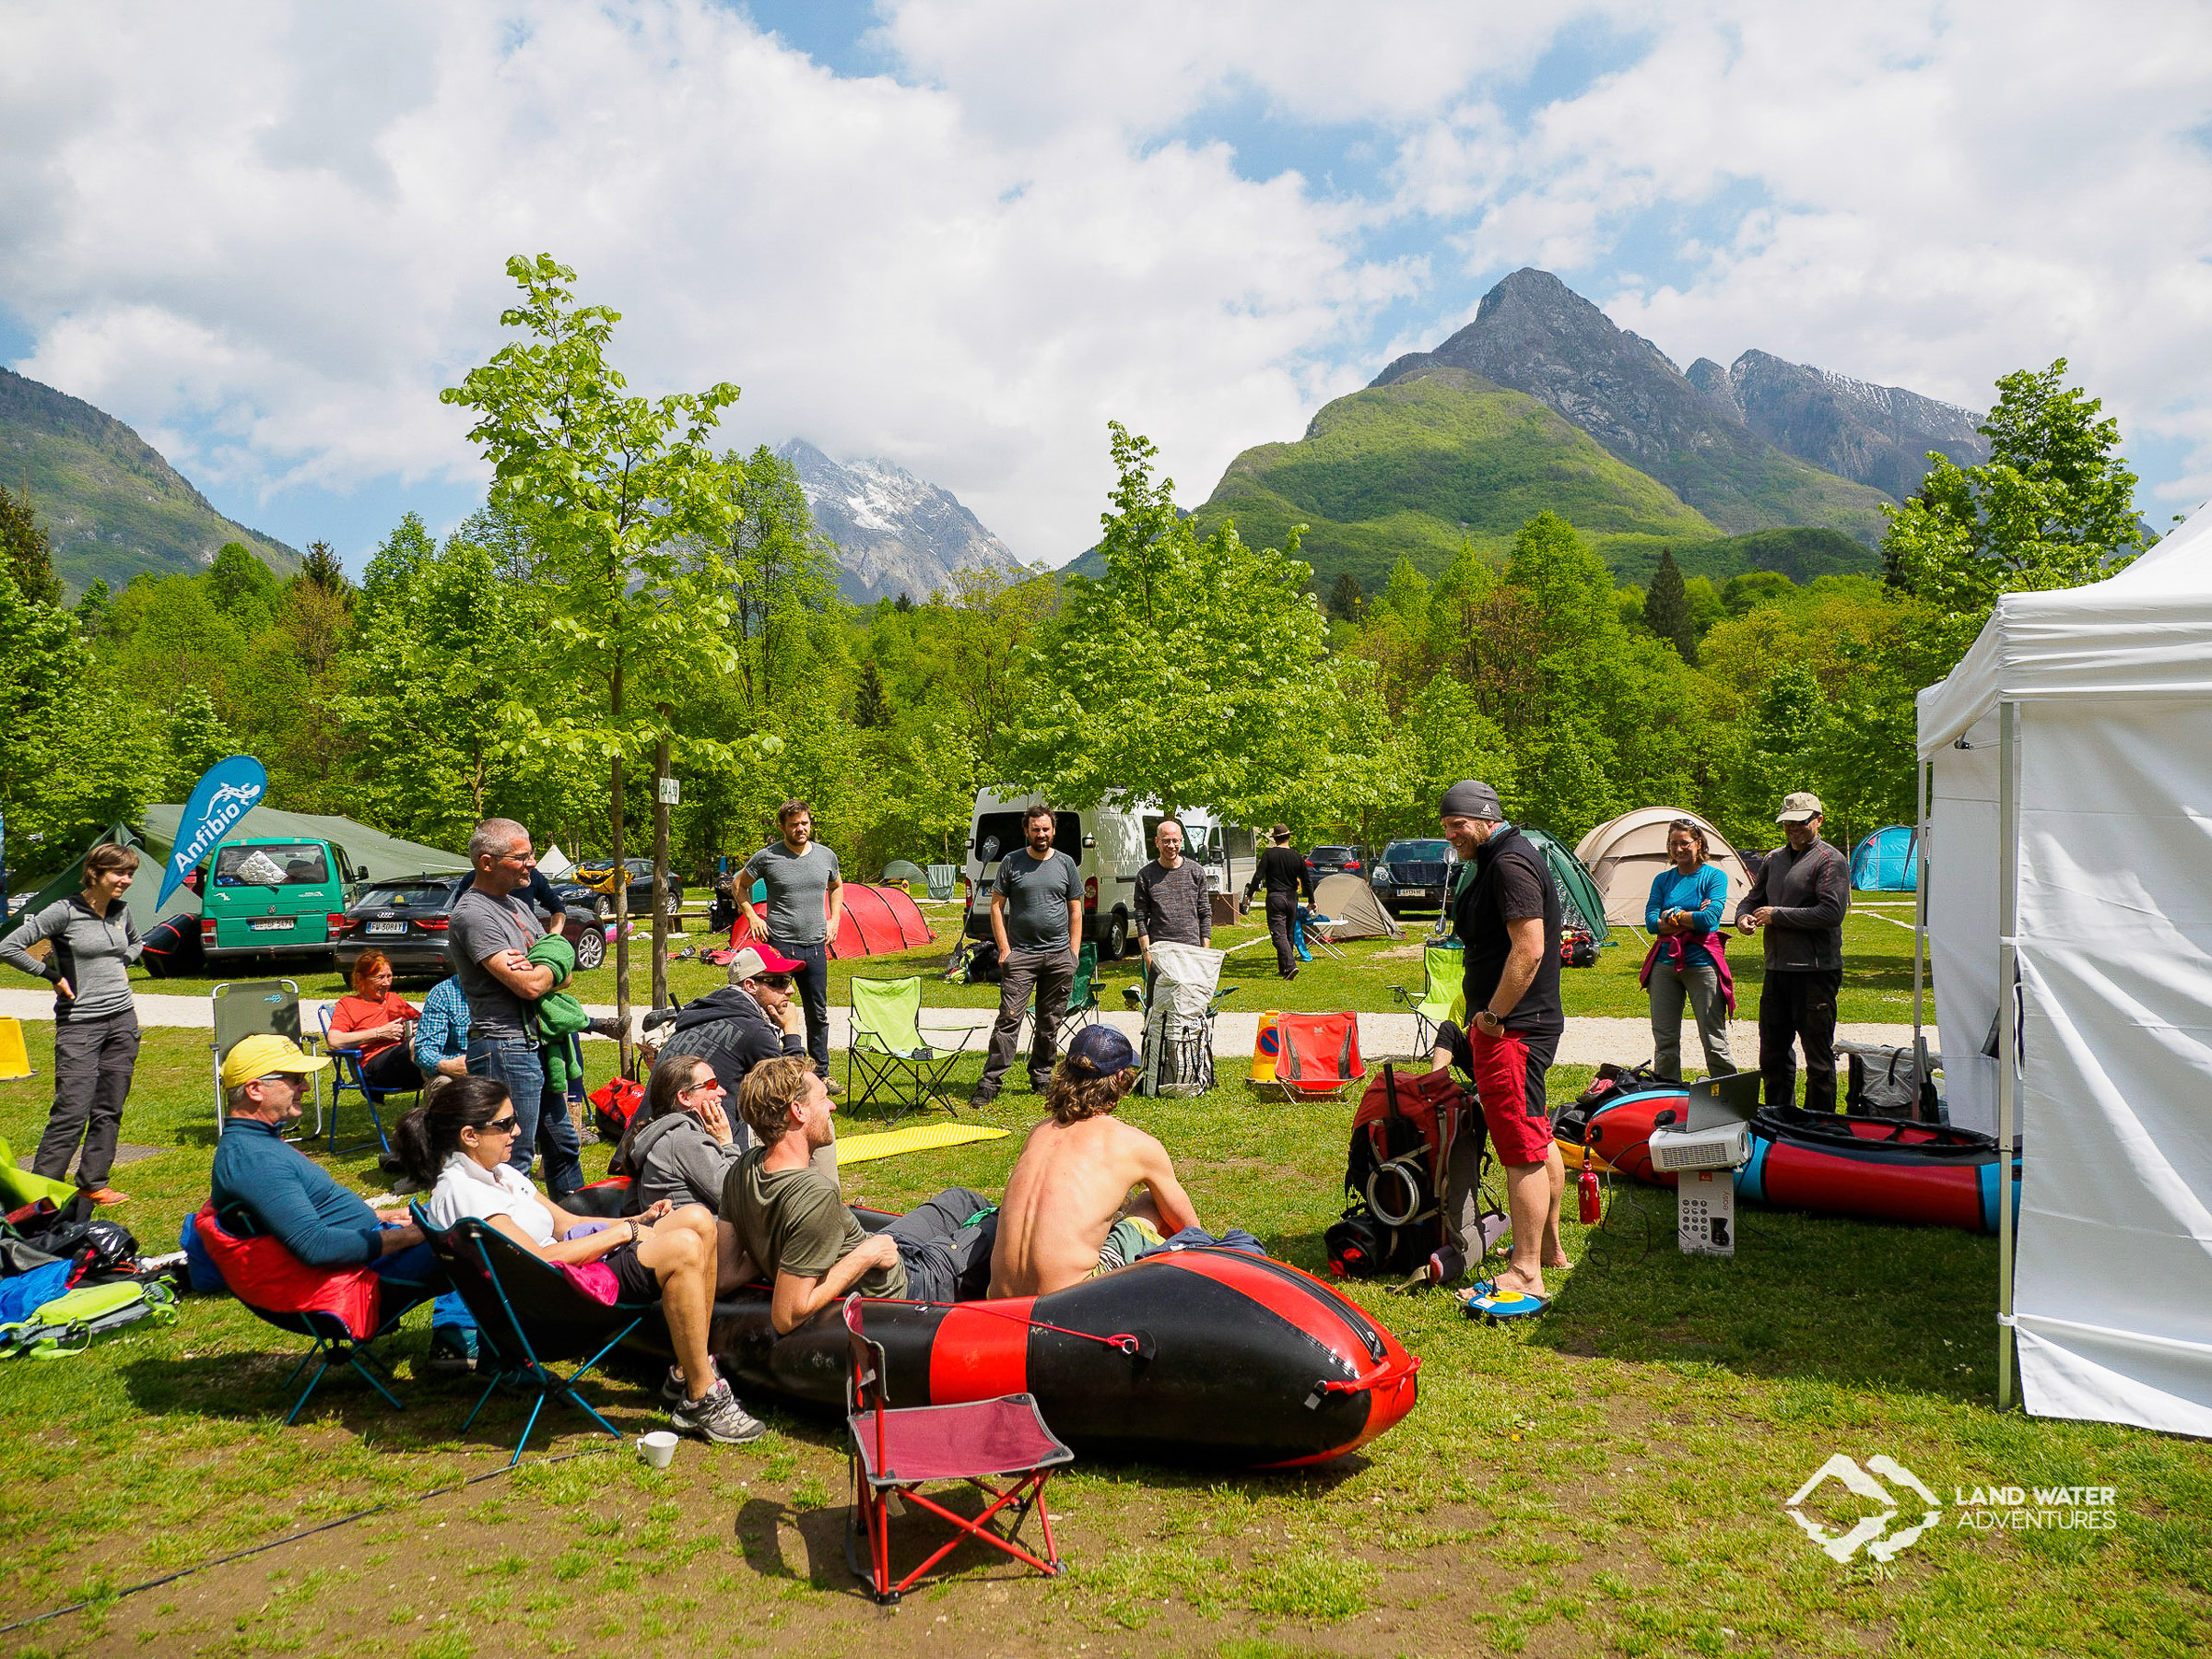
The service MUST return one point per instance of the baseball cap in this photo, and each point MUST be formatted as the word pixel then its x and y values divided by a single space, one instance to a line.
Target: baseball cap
pixel 1798 809
pixel 1101 1051
pixel 265 1053
pixel 1470 798
pixel 757 959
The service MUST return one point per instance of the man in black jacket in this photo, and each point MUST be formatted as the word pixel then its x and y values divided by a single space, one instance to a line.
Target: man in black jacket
pixel 752 1018
pixel 1800 896
pixel 1283 871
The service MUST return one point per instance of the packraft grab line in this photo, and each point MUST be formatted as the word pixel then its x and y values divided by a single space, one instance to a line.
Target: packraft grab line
pixel 1122 1341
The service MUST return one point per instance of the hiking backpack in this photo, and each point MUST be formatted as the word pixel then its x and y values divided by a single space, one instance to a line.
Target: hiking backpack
pixel 1414 1174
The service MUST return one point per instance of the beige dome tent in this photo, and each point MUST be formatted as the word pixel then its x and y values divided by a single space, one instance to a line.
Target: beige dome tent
pixel 1625 853
pixel 1351 903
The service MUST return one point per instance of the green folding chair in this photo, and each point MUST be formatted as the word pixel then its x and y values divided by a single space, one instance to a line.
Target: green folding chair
pixel 1443 995
pixel 888 1055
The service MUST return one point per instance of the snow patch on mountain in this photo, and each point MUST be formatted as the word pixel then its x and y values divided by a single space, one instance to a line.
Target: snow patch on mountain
pixel 895 533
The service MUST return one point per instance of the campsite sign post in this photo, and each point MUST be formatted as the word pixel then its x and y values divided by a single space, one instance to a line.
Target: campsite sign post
pixel 225 794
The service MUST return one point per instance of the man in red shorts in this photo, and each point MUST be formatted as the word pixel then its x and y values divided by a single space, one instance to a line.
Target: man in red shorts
pixel 1505 910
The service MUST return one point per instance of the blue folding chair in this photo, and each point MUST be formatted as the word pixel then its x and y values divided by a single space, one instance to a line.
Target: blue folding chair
pixel 347 1073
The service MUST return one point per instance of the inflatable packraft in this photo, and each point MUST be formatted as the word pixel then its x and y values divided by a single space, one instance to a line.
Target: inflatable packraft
pixel 1832 1163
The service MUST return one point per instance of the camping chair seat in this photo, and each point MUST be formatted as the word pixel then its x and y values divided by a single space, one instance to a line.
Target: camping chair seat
pixel 1319 1058
pixel 340 1311
pixel 528 1312
pixel 1443 995
pixel 347 1075
pixel 897 1450
pixel 887 1054
pixel 243 1008
pixel 941 880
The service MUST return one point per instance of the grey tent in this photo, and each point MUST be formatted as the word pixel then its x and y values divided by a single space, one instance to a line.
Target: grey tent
pixel 905 869
pixel 1351 903
pixel 385 857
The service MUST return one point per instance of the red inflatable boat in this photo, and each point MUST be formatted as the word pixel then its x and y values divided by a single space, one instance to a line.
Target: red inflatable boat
pixel 1833 1163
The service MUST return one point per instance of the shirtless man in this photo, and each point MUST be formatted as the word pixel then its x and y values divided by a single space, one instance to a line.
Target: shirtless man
pixel 1069 1194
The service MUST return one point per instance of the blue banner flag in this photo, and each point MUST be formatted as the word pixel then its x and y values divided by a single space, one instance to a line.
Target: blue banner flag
pixel 228 792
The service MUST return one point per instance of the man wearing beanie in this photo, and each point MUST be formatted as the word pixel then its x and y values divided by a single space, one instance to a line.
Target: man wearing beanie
pixel 1068 1214
pixel 1505 911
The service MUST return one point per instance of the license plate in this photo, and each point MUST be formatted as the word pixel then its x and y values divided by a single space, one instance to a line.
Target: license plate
pixel 274 924
pixel 387 927
pixel 1421 892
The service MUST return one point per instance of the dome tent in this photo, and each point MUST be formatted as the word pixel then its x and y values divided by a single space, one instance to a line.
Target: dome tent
pixel 1352 903
pixel 1580 900
pixel 1624 854
pixel 1888 861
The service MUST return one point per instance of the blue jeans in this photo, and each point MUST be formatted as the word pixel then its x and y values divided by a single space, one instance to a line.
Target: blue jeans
pixel 541 1116
pixel 813 982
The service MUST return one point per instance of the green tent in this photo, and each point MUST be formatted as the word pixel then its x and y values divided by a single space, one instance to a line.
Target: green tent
pixel 1578 892
pixel 386 857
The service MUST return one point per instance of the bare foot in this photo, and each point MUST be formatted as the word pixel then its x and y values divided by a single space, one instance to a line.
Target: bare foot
pixel 1560 1262
pixel 1513 1282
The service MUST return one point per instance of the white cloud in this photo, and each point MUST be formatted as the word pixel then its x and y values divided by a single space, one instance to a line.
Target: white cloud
pixel 269 236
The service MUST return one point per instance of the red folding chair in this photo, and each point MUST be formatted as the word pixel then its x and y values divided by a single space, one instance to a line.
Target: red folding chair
pixel 983 1443
pixel 1318 1057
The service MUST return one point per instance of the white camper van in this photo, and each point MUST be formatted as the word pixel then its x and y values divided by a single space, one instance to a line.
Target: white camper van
pixel 1109 846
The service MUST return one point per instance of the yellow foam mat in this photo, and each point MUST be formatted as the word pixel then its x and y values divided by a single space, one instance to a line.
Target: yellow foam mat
pixel 891 1143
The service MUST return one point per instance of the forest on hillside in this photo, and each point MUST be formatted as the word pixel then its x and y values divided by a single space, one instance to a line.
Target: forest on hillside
pixel 626 597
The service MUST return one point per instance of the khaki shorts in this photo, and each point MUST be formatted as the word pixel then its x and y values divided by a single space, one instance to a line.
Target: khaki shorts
pixel 1129 1238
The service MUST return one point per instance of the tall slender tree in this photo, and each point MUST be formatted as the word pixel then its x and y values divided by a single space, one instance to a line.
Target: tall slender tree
pixel 1666 608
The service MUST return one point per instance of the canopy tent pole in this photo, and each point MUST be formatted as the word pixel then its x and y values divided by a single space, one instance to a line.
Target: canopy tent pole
pixel 2008 910
pixel 1924 775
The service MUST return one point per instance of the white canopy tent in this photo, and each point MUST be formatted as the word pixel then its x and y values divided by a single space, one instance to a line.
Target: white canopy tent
pixel 2070 851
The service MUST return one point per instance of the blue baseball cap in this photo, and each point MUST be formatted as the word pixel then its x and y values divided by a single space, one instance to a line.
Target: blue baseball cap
pixel 1101 1051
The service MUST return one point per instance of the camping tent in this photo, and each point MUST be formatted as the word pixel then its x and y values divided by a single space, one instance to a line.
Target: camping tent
pixel 871 921
pixel 1624 854
pixel 555 863
pixel 1351 903
pixel 904 869
pixel 386 856
pixel 1888 861
pixel 1580 900
pixel 2070 754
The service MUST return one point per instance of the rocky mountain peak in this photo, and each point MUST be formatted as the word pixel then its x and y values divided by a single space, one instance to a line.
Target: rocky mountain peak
pixel 895 533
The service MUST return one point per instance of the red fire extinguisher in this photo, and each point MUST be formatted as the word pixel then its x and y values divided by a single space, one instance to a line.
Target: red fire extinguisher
pixel 1593 1207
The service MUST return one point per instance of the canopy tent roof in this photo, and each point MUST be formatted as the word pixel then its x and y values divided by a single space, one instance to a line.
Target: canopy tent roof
pixel 1351 903
pixel 1623 854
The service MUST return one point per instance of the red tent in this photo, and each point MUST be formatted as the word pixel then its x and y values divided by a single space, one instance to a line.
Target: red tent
pixel 871 921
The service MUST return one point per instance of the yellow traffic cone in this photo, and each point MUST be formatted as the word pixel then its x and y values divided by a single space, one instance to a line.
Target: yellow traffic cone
pixel 15 1059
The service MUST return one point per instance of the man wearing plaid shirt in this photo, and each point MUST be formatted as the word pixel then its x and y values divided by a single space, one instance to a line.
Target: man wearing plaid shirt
pixel 442 1035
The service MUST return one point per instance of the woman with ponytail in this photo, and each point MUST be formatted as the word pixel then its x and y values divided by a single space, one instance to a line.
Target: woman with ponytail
pixel 457 1143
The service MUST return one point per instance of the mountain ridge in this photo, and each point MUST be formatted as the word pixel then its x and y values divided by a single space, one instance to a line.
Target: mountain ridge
pixel 895 532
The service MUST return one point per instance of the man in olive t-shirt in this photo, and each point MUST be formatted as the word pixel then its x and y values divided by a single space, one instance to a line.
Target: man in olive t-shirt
pixel 794 1224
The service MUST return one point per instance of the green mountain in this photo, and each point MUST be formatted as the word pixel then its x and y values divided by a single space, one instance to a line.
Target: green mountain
pixel 111 506
pixel 1438 457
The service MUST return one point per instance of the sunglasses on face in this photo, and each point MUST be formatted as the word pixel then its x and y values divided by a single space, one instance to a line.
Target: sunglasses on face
pixel 500 1125
pixel 774 981
pixel 712 1083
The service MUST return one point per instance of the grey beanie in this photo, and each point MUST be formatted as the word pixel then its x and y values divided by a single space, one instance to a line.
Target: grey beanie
pixel 1468 798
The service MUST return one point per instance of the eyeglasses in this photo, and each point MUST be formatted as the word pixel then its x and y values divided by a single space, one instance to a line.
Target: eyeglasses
pixel 712 1083
pixel 522 857
pixel 774 981
pixel 505 1125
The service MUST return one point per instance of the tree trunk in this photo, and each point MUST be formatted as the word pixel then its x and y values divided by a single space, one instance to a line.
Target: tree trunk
pixel 660 873
pixel 621 913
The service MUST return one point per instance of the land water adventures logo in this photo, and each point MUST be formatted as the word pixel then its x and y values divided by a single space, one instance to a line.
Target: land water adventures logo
pixel 1873 1533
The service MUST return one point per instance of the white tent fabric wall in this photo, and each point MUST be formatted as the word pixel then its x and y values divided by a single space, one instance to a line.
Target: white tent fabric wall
pixel 2112 1270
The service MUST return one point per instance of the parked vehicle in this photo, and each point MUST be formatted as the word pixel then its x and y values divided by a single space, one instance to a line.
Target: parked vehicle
pixel 281 897
pixel 1411 874
pixel 1336 860
pixel 405 918
pixel 578 889
pixel 1110 846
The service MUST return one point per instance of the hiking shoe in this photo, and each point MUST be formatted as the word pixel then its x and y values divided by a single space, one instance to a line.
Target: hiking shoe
pixel 980 1098
pixel 717 1416
pixel 452 1351
pixel 833 1086
pixel 672 1385
pixel 106 1195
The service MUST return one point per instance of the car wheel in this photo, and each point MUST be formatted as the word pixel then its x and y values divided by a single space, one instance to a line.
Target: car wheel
pixel 591 948
pixel 1115 944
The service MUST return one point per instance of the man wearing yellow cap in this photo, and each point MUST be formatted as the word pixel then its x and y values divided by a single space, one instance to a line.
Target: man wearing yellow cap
pixel 265 1188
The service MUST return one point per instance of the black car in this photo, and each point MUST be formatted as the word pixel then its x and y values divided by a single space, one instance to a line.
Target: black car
pixel 577 887
pixel 1411 876
pixel 1336 860
pixel 406 920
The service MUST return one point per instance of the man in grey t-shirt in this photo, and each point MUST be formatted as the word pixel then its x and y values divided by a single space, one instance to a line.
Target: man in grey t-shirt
pixel 806 889
pixel 1037 920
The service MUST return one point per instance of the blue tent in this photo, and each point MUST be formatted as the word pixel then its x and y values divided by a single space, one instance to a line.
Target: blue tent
pixel 1888 861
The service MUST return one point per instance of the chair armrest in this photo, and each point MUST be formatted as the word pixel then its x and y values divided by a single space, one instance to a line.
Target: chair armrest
pixel 962 1032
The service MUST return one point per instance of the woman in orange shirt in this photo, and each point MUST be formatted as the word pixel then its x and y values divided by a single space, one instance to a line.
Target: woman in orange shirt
pixel 378 1024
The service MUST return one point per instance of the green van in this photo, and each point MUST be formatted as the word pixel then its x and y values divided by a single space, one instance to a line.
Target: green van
pixel 275 896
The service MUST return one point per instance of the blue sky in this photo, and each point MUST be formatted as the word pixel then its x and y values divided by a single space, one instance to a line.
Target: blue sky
pixel 965 233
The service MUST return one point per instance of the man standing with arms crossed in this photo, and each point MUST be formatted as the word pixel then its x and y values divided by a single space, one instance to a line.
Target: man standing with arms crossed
pixel 1173 904
pixel 1800 898
pixel 1505 910
pixel 1037 920
pixel 492 930
pixel 805 888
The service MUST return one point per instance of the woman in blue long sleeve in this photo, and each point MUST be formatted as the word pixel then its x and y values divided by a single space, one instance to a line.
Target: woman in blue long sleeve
pixel 1688 958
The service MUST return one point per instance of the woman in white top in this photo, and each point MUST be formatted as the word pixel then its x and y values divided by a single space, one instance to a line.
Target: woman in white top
pixel 457 1142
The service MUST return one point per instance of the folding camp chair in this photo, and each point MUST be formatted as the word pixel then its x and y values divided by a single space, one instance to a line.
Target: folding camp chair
pixel 985 1443
pixel 887 1051
pixel 527 1311
pixel 1443 995
pixel 1312 928
pixel 347 1074
pixel 249 1008
pixel 1319 1056
pixel 942 880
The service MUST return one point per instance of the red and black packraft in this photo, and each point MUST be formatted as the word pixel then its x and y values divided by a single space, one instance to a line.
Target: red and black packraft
pixel 1416 1150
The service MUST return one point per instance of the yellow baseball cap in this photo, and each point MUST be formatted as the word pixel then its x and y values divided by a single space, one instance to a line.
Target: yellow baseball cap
pixel 260 1055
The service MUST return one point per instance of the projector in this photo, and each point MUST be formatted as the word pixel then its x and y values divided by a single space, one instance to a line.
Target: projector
pixel 1702 1154
pixel 1721 1147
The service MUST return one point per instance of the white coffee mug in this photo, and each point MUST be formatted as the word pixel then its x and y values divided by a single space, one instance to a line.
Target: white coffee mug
pixel 658 1448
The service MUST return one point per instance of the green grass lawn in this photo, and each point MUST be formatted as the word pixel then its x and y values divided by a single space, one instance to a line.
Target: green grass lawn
pixel 1610 1480
pixel 1878 978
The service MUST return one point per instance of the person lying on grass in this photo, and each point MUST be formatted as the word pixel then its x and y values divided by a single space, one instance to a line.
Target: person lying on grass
pixel 458 1139
pixel 793 1220
pixel 1068 1214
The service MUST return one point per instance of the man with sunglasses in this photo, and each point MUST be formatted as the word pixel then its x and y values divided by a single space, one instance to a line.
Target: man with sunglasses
pixel 754 1017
